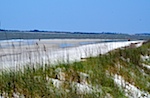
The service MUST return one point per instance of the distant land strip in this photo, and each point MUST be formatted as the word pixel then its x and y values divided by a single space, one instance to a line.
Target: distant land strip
pixel 38 34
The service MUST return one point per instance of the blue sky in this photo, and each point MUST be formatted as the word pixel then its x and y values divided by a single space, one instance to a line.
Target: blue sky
pixel 123 16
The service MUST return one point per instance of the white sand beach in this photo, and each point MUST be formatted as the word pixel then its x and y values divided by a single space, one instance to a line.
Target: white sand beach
pixel 49 51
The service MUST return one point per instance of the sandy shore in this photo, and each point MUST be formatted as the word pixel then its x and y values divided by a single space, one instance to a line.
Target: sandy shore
pixel 18 46
pixel 49 51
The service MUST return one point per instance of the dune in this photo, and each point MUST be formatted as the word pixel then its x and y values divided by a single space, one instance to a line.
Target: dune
pixel 43 52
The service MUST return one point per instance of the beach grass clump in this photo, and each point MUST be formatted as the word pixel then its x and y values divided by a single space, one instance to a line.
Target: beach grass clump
pixel 68 80
pixel 131 66
pixel 33 82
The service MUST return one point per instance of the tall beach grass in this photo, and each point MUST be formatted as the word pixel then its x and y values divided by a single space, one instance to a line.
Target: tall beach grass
pixel 44 79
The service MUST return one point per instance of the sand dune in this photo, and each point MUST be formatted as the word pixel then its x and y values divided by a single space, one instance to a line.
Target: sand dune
pixel 49 51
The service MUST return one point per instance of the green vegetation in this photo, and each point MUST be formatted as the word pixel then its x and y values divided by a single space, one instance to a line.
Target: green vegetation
pixel 37 82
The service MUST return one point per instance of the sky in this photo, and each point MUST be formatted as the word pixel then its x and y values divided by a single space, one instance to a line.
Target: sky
pixel 120 16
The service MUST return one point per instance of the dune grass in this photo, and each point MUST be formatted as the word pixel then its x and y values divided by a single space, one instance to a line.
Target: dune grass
pixel 34 81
